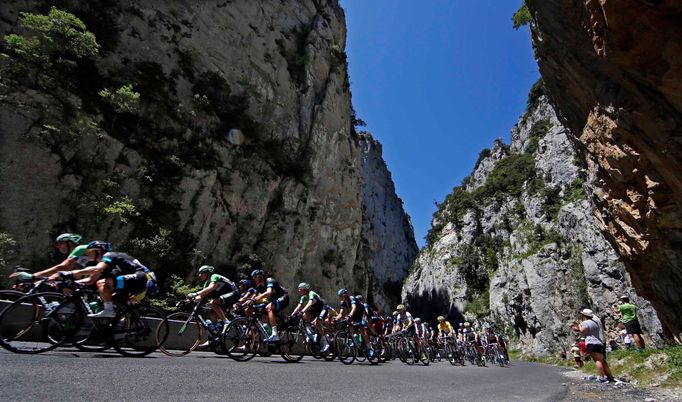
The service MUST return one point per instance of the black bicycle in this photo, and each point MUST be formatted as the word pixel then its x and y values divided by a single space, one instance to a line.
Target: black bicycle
pixel 42 321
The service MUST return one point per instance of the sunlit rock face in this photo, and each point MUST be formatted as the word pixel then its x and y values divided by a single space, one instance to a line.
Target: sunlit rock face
pixel 295 192
pixel 614 71
pixel 527 254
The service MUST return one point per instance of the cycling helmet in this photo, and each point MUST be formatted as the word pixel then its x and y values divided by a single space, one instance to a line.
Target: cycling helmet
pixel 359 297
pixel 441 318
pixel 99 245
pixel 342 291
pixel 461 324
pixel 74 238
pixel 206 269
pixel 395 313
pixel 304 285
pixel 466 324
pixel 257 272
pixel 400 307
pixel 417 319
pixel 245 282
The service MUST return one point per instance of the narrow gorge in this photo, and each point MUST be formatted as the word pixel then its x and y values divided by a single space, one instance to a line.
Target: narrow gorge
pixel 240 147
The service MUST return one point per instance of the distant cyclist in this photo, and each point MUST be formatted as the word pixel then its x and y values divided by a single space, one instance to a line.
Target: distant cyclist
pixel 217 287
pixel 310 306
pixel 277 298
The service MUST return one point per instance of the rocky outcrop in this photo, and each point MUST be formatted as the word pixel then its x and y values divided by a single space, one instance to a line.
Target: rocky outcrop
pixel 517 247
pixel 172 182
pixel 614 71
pixel 388 236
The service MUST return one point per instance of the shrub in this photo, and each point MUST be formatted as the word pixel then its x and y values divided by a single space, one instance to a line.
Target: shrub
pixel 521 17
pixel 58 38
pixel 124 100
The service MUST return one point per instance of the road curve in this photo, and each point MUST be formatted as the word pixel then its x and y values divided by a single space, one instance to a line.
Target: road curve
pixel 73 375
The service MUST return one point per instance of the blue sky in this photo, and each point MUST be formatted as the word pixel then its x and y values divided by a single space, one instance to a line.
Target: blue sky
pixel 436 81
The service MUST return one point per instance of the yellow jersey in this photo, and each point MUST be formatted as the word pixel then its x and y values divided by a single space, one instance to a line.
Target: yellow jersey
pixel 445 327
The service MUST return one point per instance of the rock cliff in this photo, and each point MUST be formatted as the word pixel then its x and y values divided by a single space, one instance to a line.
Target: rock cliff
pixel 516 245
pixel 614 71
pixel 242 146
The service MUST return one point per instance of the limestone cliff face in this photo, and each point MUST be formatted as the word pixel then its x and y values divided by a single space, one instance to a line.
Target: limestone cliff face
pixel 517 245
pixel 613 69
pixel 292 192
pixel 389 237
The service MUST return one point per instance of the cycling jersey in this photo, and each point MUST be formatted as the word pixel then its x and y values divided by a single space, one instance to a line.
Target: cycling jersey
pixel 277 290
pixel 491 338
pixel 359 310
pixel 317 300
pixel 469 334
pixel 121 264
pixel 80 256
pixel 221 285
pixel 404 318
pixel 328 311
pixel 445 327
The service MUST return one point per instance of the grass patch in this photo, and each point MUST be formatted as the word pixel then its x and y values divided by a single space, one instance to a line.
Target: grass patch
pixel 649 367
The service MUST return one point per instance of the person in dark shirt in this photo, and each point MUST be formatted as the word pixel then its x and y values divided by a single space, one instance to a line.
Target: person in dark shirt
pixel 277 296
pixel 114 271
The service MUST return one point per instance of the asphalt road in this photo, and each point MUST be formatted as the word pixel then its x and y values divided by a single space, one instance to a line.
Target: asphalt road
pixel 73 375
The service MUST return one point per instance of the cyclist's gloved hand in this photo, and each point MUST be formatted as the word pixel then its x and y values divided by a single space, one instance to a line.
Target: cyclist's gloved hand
pixel 24 276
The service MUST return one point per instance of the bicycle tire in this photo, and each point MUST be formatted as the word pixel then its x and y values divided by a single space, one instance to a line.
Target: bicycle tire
pixel 22 323
pixel 184 335
pixel 291 344
pixel 9 296
pixel 139 330
pixel 330 354
pixel 344 350
pixel 64 323
pixel 241 339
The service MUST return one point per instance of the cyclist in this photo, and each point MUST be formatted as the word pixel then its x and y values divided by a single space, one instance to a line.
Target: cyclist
pixel 276 295
pixel 217 287
pixel 470 337
pixel 403 321
pixel 327 318
pixel 114 271
pixel 310 307
pixel 66 243
pixel 355 312
pixel 445 329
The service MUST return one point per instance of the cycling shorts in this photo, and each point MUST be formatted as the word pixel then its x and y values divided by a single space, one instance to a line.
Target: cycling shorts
pixel 228 300
pixel 126 285
pixel 315 310
pixel 281 303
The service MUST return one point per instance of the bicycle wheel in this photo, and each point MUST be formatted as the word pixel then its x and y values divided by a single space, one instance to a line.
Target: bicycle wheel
pixel 344 347
pixel 184 334
pixel 292 344
pixel 241 339
pixel 8 296
pixel 139 330
pixel 63 323
pixel 23 323
pixel 423 354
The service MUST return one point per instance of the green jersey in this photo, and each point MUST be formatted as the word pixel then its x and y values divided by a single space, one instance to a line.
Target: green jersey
pixel 80 255
pixel 628 312
pixel 221 285
pixel 311 296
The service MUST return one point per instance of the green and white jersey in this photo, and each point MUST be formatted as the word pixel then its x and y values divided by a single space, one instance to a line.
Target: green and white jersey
pixel 311 296
pixel 80 255
pixel 222 284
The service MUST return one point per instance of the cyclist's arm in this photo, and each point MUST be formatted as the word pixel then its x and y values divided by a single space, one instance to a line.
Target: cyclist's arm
pixel 265 294
pixel 352 310
pixel 307 306
pixel 205 291
pixel 93 273
pixel 65 265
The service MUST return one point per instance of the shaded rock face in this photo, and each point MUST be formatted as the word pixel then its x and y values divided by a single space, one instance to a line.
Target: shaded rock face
pixel 613 69
pixel 524 259
pixel 292 193
pixel 388 235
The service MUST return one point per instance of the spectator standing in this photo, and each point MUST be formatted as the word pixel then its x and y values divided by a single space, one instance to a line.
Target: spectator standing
pixel 628 316
pixel 591 328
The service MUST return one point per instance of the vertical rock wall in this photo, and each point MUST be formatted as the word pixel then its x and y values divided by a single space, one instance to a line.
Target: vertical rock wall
pixel 614 71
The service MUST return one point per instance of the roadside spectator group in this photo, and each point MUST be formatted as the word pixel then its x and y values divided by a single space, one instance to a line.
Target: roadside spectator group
pixel 593 342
